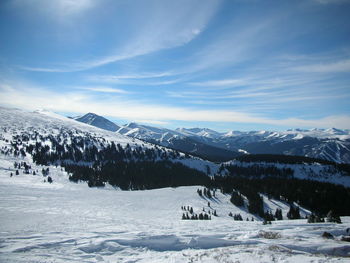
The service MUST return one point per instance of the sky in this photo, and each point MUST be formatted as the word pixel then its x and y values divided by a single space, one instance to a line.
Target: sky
pixel 224 65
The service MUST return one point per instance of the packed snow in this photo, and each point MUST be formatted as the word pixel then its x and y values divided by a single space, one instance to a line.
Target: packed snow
pixel 69 222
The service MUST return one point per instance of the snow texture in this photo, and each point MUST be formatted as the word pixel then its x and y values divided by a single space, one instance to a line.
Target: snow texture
pixel 69 222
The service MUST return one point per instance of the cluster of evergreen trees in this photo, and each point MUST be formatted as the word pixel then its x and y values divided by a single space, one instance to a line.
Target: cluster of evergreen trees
pixel 278 214
pixel 292 159
pixel 98 162
pixel 236 217
pixel 206 193
pixel 259 171
pixel 316 196
pixel 293 212
pixel 137 175
pixel 190 215
pixel 315 219
pixel 237 199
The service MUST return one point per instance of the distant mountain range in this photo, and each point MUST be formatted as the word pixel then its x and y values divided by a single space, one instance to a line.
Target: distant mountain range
pixel 329 144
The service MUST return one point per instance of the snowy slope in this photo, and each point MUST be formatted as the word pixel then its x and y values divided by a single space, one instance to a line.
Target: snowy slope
pixel 68 222
pixel 17 122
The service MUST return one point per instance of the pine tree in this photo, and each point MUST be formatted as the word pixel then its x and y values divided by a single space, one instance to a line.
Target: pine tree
pixel 278 214
pixel 293 212
pixel 237 199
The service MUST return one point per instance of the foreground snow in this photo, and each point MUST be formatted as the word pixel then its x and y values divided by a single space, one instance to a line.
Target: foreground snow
pixel 67 222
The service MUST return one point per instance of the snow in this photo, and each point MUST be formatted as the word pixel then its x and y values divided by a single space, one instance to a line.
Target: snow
pixel 69 222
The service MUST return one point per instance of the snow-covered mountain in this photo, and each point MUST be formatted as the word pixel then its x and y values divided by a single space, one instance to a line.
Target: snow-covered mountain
pixel 59 133
pixel 184 140
pixel 50 137
pixel 98 121
pixel 329 144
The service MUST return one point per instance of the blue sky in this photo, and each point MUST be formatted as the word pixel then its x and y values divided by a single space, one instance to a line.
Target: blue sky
pixel 226 65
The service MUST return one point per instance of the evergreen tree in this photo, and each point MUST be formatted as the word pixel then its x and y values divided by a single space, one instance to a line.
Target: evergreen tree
pixel 293 212
pixel 333 217
pixel 237 199
pixel 278 214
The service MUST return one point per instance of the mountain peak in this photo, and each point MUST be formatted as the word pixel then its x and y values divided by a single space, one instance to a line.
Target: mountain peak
pixel 98 121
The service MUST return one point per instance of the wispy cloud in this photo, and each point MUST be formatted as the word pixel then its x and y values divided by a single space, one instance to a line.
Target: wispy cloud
pixel 12 94
pixel 326 67
pixel 102 89
pixel 167 24
pixel 220 83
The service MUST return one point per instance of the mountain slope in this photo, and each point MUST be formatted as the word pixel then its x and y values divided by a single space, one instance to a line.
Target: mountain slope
pixel 50 137
pixel 98 121
pixel 329 144
pixel 178 140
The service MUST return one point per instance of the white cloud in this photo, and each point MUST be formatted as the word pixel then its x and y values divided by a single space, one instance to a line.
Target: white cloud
pixel 221 82
pixel 103 89
pixel 162 25
pixel 120 77
pixel 21 95
pixel 326 67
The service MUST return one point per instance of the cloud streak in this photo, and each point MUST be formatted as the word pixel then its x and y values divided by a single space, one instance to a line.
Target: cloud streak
pixel 167 24
pixel 103 89
pixel 13 95
pixel 330 67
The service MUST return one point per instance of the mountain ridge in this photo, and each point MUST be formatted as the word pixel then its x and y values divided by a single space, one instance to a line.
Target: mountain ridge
pixel 330 144
pixel 98 121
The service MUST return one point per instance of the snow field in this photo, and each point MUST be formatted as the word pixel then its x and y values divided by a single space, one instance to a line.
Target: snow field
pixel 68 222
